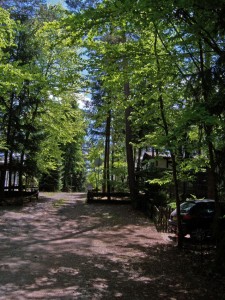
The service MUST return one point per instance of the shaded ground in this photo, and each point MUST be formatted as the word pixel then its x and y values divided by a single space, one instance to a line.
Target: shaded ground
pixel 62 248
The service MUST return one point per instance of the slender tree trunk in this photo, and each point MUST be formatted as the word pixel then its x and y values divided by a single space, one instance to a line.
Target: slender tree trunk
pixel 175 179
pixel 3 176
pixel 112 189
pixel 21 171
pixel 173 157
pixel 6 153
pixel 212 172
pixel 177 197
pixel 106 172
pixel 129 151
pixel 212 180
pixel 10 170
pixel 139 159
pixel 212 192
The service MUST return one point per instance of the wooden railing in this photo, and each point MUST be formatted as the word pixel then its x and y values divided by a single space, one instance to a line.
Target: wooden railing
pixel 25 188
pixel 160 217
pixel 96 196
pixel 19 197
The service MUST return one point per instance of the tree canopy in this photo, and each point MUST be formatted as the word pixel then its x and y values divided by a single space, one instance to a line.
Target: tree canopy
pixel 161 67
pixel 173 63
pixel 157 68
pixel 154 75
pixel 38 91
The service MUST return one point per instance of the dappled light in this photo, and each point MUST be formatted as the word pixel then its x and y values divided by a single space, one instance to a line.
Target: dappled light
pixel 123 100
pixel 79 251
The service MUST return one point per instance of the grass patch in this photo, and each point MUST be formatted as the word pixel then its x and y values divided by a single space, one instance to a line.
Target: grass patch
pixel 59 203
pixel 49 194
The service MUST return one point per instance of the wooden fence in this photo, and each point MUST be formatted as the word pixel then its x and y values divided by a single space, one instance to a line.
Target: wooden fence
pixel 161 216
pixel 118 197
pixel 19 198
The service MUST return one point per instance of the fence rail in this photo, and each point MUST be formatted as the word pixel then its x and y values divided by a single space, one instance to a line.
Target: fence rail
pixel 160 217
pixel 95 196
pixel 24 188
pixel 17 197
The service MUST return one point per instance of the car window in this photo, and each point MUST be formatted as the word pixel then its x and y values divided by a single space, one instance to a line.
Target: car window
pixel 210 208
pixel 186 206
pixel 204 209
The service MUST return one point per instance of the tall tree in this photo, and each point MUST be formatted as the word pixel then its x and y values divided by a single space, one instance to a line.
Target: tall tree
pixel 47 69
pixel 180 29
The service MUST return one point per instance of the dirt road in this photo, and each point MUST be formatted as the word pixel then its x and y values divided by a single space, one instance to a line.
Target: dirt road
pixel 62 248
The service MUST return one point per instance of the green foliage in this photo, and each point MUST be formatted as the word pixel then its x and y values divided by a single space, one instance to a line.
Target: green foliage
pixel 6 31
pixel 51 181
pixel 172 205
pixel 163 180
pixel 59 203
pixel 38 103
pixel 167 54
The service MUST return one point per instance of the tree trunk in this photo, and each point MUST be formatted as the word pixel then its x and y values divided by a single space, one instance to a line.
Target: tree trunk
pixel 6 153
pixel 139 160
pixel 177 197
pixel 10 170
pixel 129 151
pixel 175 179
pixel 173 157
pixel 21 171
pixel 3 175
pixel 106 173
pixel 212 180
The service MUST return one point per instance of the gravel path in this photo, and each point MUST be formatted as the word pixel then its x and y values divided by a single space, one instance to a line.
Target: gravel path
pixel 62 248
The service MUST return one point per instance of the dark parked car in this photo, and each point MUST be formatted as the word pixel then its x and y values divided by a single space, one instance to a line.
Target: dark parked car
pixel 197 218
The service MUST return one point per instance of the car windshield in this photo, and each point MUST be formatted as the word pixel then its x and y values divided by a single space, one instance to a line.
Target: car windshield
pixel 186 206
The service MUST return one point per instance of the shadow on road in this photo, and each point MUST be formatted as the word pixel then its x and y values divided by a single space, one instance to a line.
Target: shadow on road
pixel 62 248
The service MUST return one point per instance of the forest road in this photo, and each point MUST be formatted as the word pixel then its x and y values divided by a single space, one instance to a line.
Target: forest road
pixel 60 247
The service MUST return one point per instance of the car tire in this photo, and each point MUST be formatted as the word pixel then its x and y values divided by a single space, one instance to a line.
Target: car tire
pixel 198 235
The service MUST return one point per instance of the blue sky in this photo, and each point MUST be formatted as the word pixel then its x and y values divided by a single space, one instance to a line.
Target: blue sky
pixel 55 1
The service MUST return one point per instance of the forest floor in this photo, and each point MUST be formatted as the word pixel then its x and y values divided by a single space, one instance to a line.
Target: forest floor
pixel 60 247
